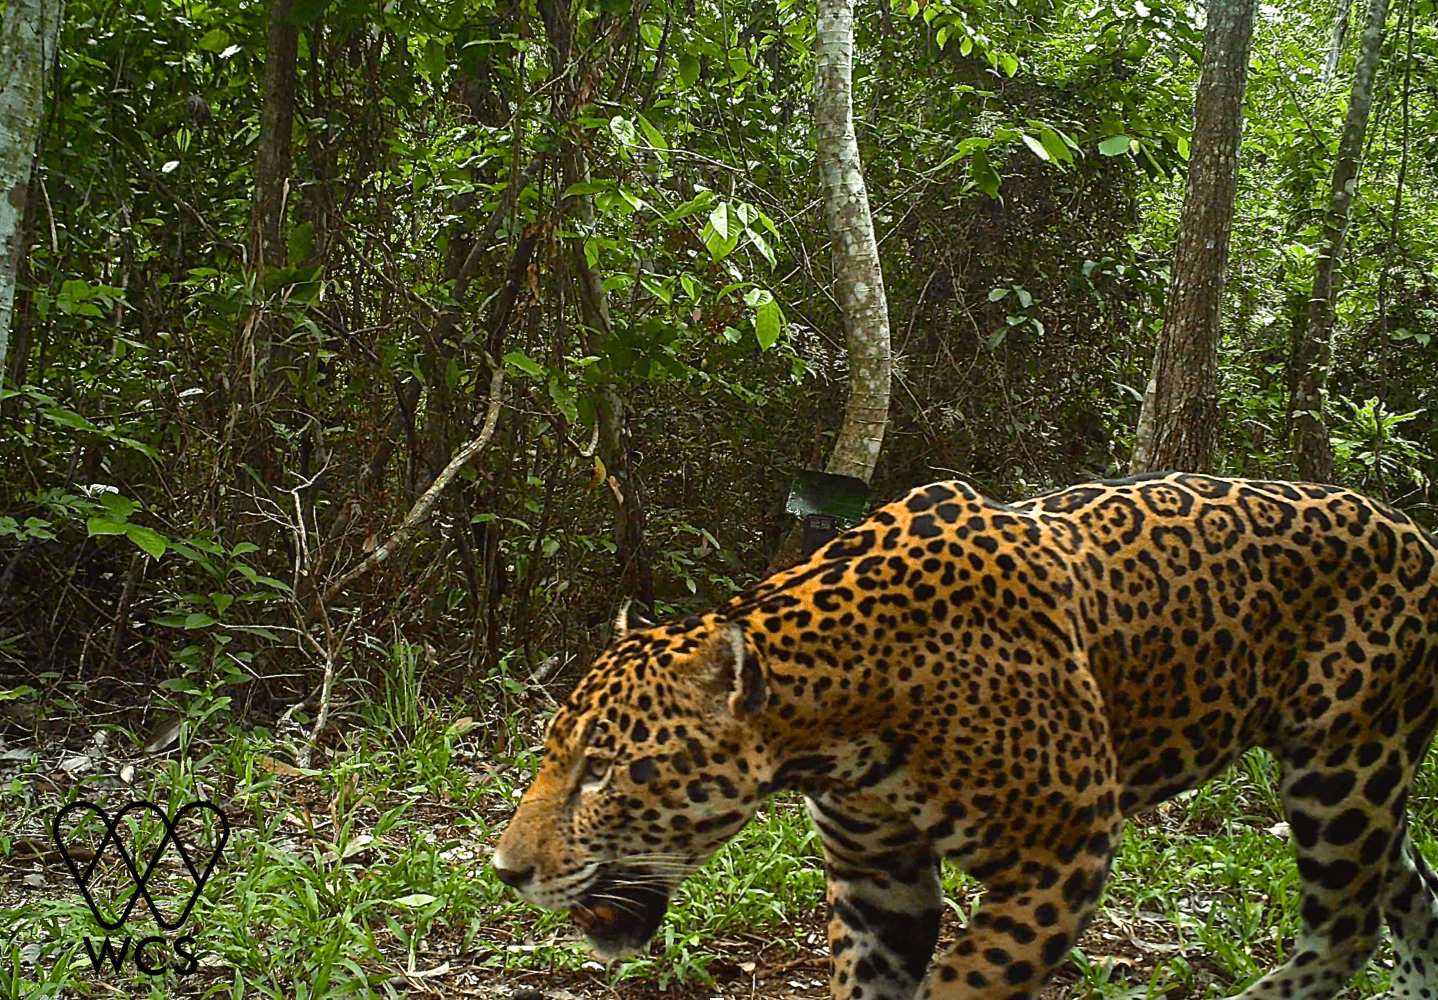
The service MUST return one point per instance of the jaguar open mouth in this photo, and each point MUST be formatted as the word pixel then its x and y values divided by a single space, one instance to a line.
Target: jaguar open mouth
pixel 620 912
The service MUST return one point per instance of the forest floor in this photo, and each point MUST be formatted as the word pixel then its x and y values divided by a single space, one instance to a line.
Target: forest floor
pixel 367 873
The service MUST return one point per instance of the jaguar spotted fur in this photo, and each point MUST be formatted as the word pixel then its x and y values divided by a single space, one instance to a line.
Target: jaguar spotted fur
pixel 999 686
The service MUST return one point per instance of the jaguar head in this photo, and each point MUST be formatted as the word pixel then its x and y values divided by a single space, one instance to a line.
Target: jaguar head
pixel 650 765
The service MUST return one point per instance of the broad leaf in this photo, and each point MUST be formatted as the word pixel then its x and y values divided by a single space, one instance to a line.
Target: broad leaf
pixel 1115 145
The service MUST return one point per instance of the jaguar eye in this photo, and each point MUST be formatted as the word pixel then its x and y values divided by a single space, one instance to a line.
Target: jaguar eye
pixel 596 769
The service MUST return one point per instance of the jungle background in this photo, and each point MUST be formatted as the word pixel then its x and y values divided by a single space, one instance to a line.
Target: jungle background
pixel 285 261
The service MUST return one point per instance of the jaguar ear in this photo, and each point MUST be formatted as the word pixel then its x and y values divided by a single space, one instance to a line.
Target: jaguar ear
pixel 632 615
pixel 736 673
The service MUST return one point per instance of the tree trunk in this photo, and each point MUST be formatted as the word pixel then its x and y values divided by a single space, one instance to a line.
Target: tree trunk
pixel 858 280
pixel 1178 427
pixel 255 369
pixel 1312 449
pixel 1335 41
pixel 27 49
pixel 273 155
pixel 633 555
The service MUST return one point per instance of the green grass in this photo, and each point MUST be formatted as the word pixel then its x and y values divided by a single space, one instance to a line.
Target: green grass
pixel 339 879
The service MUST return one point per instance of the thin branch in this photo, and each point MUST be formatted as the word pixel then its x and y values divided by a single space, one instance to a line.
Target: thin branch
pixel 239 249
pixel 427 500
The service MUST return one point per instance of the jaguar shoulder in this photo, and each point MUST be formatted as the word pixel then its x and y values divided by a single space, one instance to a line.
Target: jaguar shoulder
pixel 998 686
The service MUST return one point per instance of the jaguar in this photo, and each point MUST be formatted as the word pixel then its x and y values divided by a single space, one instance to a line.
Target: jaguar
pixel 999 686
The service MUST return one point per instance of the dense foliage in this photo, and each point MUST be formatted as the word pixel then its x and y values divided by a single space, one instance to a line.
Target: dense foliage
pixel 1025 163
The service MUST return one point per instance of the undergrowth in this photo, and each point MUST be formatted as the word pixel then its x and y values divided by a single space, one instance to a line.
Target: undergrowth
pixel 370 869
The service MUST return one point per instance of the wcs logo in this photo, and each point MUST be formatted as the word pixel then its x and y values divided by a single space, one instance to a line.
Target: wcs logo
pixel 197 832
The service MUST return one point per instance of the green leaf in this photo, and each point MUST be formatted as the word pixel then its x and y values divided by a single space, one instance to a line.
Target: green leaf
pixel 652 134
pixel 623 130
pixel 587 187
pixel 1009 63
pixel 698 203
pixel 1056 146
pixel 1115 145
pixel 415 900
pixel 1037 148
pixel 718 246
pixel 213 40
pixel 985 177
pixel 523 362
pixel 967 147
pixel 120 508
pixel 688 70
pixel 719 219
pixel 433 60
pixel 768 322
pixel 564 398
pixel 301 243
pixel 630 198
pixel 151 541
pixel 68 418
pixel 198 619
pixel 997 293
pixel 104 526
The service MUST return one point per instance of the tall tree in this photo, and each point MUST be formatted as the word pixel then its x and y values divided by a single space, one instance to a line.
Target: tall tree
pixel 1178 426
pixel 858 279
pixel 1312 449
pixel 27 48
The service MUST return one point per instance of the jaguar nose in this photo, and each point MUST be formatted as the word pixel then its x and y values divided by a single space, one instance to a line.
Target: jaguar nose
pixel 512 878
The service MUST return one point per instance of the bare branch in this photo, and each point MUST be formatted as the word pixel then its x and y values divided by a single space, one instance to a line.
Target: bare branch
pixel 427 500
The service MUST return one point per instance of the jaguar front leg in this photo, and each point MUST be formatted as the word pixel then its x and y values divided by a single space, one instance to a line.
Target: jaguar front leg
pixel 1039 898
pixel 885 903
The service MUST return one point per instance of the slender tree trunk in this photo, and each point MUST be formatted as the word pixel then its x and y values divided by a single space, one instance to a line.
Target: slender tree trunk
pixel 27 49
pixel 1404 132
pixel 858 280
pixel 1335 41
pixel 1312 449
pixel 273 157
pixel 257 380
pixel 1178 427
pixel 633 555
